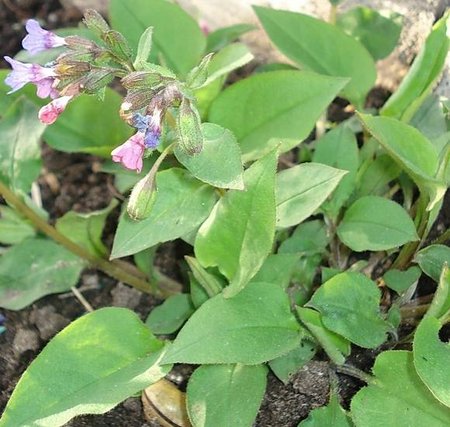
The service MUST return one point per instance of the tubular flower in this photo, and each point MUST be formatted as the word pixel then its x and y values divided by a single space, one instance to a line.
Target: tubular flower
pixel 50 112
pixel 39 39
pixel 150 126
pixel 130 152
pixel 22 74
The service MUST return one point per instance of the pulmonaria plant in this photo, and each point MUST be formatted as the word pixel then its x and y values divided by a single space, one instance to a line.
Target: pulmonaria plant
pixel 87 68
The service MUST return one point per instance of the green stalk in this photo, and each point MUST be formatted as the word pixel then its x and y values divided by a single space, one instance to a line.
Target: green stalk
pixel 114 269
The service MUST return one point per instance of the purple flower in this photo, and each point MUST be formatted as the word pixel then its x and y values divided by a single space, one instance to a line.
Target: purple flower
pixel 39 39
pixel 22 74
pixel 150 126
pixel 50 112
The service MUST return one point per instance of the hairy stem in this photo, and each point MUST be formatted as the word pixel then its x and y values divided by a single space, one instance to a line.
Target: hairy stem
pixel 112 268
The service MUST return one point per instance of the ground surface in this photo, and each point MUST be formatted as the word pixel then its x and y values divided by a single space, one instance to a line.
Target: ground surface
pixel 71 182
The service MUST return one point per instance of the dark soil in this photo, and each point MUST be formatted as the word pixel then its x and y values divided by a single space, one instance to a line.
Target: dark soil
pixel 73 182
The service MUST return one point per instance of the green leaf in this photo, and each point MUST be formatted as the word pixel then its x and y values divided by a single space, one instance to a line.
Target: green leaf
pixel 432 259
pixel 225 395
pixel 224 36
pixel 86 229
pixel 431 358
pixel 219 163
pixel 308 238
pixel 349 304
pixel 420 79
pixel 278 269
pixel 89 125
pixel 208 281
pixel 440 306
pixel 168 317
pixel 397 397
pixel 228 59
pixel 377 33
pixel 182 203
pixel 253 327
pixel 332 415
pixel 20 153
pixel 279 104
pixel 376 224
pixel 430 120
pixel 320 47
pixel 34 268
pixel 177 39
pixel 144 48
pixel 92 365
pixel 13 228
pixel 339 149
pixel 334 345
pixel 401 281
pixel 238 235
pixel 302 189
pixel 287 365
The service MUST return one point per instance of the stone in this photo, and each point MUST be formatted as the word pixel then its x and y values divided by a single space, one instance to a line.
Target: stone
pixel 25 340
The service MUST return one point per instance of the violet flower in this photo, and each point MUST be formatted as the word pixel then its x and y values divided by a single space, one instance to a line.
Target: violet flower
pixel 22 74
pixel 50 112
pixel 130 152
pixel 39 39
pixel 150 126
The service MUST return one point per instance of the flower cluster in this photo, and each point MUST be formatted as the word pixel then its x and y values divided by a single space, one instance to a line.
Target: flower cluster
pixel 86 67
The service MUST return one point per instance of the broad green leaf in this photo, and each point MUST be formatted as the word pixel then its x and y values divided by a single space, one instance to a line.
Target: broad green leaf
pixel 430 120
pixel 376 224
pixel 86 229
pixel 432 357
pixel 88 368
pixel 440 306
pixel 238 235
pixel 302 189
pixel 432 259
pixel 177 39
pixel 182 203
pixel 13 228
pixel 228 59
pixel 287 365
pixel 225 395
pixel 223 36
pixel 332 415
pixel 320 47
pixel 339 149
pixel 20 153
pixel 350 306
pixel 253 327
pixel 272 106
pixel 308 238
pixel 377 33
pixel 401 281
pixel 219 163
pixel 278 269
pixel 397 397
pixel 34 268
pixel 89 125
pixel 419 81
pixel 334 345
pixel 168 317
pixel 380 172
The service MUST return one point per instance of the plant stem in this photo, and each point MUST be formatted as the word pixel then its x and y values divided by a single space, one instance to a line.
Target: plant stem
pixel 354 372
pixel 113 269
pixel 442 238
pixel 333 14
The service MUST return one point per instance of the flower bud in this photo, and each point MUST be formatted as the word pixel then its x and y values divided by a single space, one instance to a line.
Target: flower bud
pixel 143 197
pixel 79 43
pixel 198 75
pixel 95 22
pixel 189 128
pixel 118 44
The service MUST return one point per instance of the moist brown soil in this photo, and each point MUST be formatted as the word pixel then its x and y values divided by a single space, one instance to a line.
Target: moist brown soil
pixel 73 182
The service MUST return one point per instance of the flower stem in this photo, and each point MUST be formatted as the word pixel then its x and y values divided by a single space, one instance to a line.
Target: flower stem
pixel 113 269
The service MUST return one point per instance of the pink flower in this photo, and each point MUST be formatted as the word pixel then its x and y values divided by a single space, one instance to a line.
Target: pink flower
pixel 39 39
pixel 130 152
pixel 22 74
pixel 50 112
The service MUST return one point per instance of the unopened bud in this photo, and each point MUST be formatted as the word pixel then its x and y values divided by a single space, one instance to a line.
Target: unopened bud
pixel 142 80
pixel 143 197
pixel 189 128
pixel 198 75
pixel 95 22
pixel 118 44
pixel 79 43
pixel 97 79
